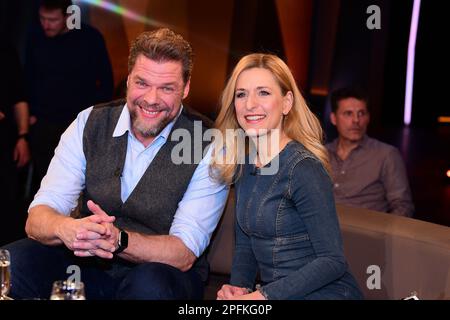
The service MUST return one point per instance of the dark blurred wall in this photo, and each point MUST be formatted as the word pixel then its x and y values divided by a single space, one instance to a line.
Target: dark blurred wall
pixel 324 30
pixel 15 16
pixel 255 28
pixel 432 65
pixel 396 62
pixel 295 19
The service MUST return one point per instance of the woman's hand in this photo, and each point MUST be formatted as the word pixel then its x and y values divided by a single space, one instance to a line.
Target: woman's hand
pixel 229 292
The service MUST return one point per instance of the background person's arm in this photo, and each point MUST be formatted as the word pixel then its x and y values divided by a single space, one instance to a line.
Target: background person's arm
pixel 395 181
pixel 22 150
pixel 21 112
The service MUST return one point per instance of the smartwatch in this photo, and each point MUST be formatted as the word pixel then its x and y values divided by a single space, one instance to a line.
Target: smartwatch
pixel 122 243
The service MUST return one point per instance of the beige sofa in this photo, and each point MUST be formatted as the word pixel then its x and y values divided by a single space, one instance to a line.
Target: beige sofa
pixel 412 255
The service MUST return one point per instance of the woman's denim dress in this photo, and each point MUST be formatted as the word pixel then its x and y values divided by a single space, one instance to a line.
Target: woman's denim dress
pixel 287 231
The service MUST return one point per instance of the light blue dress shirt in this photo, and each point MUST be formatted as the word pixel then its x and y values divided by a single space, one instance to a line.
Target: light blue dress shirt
pixel 198 212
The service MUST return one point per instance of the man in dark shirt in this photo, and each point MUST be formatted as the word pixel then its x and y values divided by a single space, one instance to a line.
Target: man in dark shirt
pixel 367 173
pixel 67 71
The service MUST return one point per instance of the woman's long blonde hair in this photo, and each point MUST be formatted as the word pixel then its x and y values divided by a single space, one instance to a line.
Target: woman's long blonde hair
pixel 300 124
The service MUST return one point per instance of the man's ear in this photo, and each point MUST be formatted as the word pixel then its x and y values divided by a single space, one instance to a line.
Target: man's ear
pixel 186 88
pixel 333 118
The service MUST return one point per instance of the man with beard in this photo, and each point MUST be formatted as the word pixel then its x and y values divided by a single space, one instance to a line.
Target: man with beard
pixel 145 221
pixel 367 173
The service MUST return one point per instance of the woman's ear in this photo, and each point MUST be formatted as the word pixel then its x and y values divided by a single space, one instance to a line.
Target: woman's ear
pixel 288 102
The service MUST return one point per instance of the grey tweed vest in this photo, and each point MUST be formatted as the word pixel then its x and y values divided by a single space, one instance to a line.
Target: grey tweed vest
pixel 152 204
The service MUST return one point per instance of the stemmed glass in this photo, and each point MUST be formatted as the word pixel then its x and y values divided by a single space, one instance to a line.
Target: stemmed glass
pixel 68 290
pixel 5 274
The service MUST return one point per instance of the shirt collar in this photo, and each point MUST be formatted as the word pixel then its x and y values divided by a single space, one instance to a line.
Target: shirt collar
pixel 124 125
pixel 363 142
pixel 334 144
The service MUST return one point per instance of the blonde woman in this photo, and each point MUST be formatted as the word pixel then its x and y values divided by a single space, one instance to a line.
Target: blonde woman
pixel 288 241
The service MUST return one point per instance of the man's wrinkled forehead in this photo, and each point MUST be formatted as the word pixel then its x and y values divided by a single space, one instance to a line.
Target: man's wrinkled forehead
pixel 352 104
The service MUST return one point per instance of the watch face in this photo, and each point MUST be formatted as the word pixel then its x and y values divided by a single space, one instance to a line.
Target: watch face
pixel 123 239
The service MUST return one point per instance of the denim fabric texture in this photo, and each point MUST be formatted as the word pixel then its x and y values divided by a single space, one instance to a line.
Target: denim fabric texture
pixel 287 231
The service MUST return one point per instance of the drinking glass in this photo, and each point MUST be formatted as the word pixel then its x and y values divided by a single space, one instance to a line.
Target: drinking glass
pixel 5 274
pixel 68 290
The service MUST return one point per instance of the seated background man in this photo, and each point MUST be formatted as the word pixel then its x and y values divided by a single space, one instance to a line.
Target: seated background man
pixel 367 173
pixel 146 220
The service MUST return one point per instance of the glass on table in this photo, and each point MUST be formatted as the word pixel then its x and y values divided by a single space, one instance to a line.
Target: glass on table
pixel 5 274
pixel 68 290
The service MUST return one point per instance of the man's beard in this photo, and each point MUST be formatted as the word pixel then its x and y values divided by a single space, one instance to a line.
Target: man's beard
pixel 144 129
